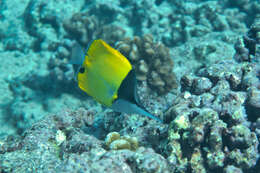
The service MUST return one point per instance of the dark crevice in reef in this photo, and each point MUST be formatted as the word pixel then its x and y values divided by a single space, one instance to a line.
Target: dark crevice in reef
pixel 49 19
pixel 205 148
pixel 252 112
pixel 257 165
pixel 30 28
pixel 104 13
pixel 158 2
pixel 186 148
pixel 137 21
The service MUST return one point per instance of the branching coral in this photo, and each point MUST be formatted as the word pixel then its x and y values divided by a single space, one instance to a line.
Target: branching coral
pixel 151 61
pixel 85 27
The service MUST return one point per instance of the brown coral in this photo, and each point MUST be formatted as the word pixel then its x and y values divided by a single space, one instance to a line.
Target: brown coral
pixel 247 48
pixel 85 27
pixel 151 61
pixel 82 26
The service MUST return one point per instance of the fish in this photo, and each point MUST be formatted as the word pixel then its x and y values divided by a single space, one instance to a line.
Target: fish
pixel 108 76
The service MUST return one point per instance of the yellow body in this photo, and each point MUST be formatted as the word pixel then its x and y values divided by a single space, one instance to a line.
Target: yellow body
pixel 105 69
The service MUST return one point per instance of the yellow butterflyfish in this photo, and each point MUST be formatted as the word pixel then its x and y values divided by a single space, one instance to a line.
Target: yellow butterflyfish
pixel 107 76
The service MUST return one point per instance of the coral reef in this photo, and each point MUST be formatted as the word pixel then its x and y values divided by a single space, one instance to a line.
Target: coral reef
pixel 212 120
pixel 247 48
pixel 64 147
pixel 199 20
pixel 152 62
pixel 85 27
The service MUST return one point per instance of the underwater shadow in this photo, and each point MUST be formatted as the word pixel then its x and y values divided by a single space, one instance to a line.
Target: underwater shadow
pixel 50 87
pixel 34 88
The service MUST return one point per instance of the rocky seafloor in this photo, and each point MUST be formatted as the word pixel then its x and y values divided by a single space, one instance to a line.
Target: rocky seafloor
pixel 198 68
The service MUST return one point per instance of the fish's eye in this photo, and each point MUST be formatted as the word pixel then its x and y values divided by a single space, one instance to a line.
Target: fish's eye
pixel 82 70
